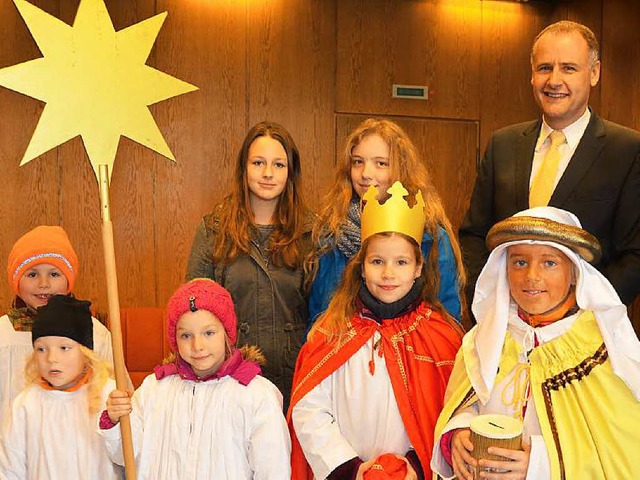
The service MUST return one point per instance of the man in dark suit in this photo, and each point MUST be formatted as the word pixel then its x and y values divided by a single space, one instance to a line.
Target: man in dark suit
pixel 595 170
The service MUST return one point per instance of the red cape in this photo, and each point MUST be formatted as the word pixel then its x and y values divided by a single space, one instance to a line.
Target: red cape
pixel 419 350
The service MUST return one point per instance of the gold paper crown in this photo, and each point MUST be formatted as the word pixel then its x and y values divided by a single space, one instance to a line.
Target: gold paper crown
pixel 394 215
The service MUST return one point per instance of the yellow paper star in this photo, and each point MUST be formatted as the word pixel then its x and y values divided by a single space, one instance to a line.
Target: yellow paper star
pixel 94 82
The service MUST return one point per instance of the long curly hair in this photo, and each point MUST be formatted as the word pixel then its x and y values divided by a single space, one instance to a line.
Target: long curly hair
pixel 406 166
pixel 236 218
pixel 101 371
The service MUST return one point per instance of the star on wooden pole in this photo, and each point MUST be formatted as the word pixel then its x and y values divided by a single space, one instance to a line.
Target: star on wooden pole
pixel 95 83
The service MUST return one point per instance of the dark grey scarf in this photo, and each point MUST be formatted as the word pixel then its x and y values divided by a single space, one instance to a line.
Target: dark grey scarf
pixel 349 240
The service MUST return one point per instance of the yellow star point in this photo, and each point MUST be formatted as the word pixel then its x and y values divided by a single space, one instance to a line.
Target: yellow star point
pixel 94 82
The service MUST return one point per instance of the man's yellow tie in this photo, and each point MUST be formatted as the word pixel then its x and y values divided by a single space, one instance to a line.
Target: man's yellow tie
pixel 542 185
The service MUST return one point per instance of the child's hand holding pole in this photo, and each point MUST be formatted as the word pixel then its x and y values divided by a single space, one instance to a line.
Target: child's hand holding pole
pixel 118 404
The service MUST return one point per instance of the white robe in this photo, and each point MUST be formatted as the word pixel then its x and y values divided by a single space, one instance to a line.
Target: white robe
pixel 217 430
pixel 15 348
pixel 51 436
pixel 351 413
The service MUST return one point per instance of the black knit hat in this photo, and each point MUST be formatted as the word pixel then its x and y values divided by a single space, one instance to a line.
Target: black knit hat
pixel 64 316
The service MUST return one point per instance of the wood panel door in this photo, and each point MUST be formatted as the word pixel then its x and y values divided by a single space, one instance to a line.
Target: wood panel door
pixel 386 42
pixel 447 148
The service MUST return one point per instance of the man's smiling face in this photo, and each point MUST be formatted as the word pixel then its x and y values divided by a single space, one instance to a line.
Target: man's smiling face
pixel 562 75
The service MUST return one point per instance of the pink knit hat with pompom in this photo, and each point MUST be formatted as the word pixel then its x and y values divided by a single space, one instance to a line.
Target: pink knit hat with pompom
pixel 201 294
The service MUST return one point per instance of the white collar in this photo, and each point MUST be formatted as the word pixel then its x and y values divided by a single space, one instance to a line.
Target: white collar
pixel 573 133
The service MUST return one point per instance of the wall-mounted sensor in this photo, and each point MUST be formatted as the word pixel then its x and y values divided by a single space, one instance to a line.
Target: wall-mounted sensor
pixel 417 92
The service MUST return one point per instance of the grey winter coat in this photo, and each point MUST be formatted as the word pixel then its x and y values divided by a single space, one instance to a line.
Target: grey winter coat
pixel 270 302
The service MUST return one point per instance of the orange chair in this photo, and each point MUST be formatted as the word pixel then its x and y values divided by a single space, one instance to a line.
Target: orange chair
pixel 144 339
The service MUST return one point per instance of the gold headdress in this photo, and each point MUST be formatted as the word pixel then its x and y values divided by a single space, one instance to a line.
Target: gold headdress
pixel 536 228
pixel 394 215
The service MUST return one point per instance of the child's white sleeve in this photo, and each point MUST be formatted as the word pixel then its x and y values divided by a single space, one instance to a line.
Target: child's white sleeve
pixel 318 433
pixel 461 419
pixel 539 466
pixel 13 453
pixel 269 444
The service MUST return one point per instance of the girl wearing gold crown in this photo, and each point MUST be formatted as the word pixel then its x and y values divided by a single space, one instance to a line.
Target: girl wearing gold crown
pixel 378 152
pixel 370 381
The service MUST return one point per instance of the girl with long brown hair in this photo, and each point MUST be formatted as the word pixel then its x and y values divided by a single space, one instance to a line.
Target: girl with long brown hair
pixel 377 153
pixel 254 242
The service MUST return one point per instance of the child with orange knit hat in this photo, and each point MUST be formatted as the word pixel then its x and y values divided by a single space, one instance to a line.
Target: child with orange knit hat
pixel 42 263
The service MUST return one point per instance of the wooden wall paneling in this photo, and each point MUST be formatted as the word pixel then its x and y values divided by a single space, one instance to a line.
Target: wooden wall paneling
pixel 290 77
pixel 202 43
pixel 80 205
pixel 433 43
pixel 448 149
pixel 508 30
pixel 587 12
pixel 30 193
pixel 620 81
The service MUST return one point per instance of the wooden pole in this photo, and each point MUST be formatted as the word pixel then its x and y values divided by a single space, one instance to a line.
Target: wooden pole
pixel 114 318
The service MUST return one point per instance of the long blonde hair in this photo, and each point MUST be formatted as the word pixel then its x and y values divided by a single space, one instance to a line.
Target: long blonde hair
pixel 333 322
pixel 236 216
pixel 101 371
pixel 405 166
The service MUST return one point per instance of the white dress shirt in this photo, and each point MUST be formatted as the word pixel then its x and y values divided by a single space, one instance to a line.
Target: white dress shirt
pixel 573 133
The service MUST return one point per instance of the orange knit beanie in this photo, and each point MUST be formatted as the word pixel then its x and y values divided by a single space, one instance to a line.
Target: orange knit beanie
pixel 43 244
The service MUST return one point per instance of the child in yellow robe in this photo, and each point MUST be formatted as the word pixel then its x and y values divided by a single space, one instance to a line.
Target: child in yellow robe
pixel 553 346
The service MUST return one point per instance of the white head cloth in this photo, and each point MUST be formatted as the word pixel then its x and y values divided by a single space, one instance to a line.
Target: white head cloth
pixel 482 347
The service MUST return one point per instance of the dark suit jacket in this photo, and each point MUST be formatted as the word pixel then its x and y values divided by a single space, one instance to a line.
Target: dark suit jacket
pixel 601 186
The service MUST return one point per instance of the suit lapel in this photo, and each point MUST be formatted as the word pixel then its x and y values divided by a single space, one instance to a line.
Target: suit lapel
pixel 524 150
pixel 586 153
